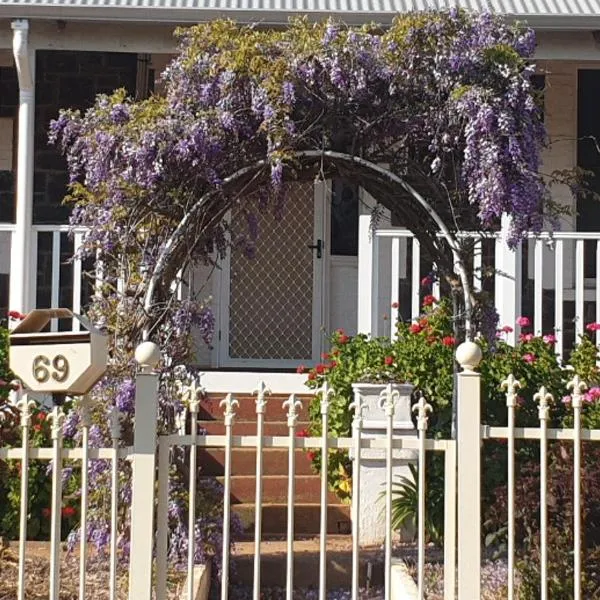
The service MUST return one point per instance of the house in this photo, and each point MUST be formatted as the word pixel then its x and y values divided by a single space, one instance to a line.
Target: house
pixel 331 271
pixel 57 54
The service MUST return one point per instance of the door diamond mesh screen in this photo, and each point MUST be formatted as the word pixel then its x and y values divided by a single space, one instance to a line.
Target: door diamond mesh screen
pixel 271 295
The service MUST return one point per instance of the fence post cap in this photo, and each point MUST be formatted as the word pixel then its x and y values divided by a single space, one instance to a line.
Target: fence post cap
pixel 147 355
pixel 468 356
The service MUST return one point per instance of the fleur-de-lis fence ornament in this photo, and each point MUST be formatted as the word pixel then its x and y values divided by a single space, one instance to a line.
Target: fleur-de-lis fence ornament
pixel 261 397
pixel 326 392
pixel 544 399
pixel 190 390
pixel 25 405
pixel 422 408
pixel 359 407
pixel 388 399
pixel 56 418
pixel 511 385
pixel 578 387
pixel 293 405
pixel 230 404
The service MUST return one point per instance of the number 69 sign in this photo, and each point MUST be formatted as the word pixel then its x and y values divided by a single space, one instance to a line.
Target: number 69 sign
pixel 67 362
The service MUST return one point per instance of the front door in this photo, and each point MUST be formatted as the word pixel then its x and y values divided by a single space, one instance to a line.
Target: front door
pixel 272 302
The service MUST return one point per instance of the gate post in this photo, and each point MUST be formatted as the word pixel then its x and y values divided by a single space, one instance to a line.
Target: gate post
pixel 468 427
pixel 147 355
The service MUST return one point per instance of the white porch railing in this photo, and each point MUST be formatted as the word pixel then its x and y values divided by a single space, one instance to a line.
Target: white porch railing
pixel 50 264
pixel 552 278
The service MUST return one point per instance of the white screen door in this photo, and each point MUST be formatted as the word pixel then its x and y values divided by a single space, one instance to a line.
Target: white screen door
pixel 272 302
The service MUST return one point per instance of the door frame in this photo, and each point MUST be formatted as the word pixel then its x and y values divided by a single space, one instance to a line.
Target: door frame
pixel 319 301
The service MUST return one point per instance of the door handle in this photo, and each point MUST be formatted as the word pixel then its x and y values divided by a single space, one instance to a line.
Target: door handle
pixel 318 247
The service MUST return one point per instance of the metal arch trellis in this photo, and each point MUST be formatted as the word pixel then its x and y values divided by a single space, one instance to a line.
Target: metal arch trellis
pixel 178 235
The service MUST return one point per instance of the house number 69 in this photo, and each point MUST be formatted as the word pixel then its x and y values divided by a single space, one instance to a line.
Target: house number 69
pixel 43 368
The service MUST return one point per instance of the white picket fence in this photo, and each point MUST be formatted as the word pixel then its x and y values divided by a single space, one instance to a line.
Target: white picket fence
pixel 148 568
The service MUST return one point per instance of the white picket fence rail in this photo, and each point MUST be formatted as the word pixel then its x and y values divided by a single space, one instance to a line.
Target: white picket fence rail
pixel 546 267
pixel 148 566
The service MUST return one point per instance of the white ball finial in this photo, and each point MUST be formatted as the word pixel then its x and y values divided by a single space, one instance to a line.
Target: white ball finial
pixel 469 355
pixel 147 355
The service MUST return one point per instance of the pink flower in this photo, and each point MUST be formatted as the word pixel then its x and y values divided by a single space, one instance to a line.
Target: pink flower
pixel 523 322
pixel 16 315
pixel 395 304
pixel 529 357
pixel 592 395
pixel 550 339
pixel 507 329
pixel 526 337
pixel 566 400
pixel 426 281
pixel 593 326
pixel 300 369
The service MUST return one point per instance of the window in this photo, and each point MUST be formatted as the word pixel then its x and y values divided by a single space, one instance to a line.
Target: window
pixel 344 218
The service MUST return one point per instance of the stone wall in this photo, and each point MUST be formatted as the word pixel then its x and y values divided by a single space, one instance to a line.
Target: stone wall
pixel 68 80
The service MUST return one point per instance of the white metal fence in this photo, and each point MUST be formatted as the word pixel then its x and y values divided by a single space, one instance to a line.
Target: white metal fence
pixel 148 567
pixel 553 278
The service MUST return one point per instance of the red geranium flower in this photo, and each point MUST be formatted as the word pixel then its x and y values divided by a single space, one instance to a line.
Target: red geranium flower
pixel 300 369
pixel 333 364
pixel 388 360
pixel 343 339
pixel 41 416
pixel 68 511
pixel 310 455
pixel 320 368
pixel 325 356
pixel 448 340
pixel 429 300
pixel 37 427
pixel 16 315
pixel 415 328
pixel 311 376
pixel 302 433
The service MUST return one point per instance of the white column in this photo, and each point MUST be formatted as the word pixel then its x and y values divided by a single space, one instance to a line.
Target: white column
pixel 21 275
pixel 368 254
pixel 508 281
pixel 468 355
pixel 147 355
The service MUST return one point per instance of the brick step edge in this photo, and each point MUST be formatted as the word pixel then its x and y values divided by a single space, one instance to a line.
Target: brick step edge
pixel 306 518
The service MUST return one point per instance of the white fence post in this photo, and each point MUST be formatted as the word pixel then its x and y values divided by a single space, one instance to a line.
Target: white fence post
pixel 507 281
pixel 147 355
pixel 468 356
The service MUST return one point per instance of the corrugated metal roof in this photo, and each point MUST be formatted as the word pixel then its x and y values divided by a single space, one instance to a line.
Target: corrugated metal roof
pixel 564 14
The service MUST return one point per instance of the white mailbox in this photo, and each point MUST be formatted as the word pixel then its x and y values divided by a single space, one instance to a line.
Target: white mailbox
pixel 66 362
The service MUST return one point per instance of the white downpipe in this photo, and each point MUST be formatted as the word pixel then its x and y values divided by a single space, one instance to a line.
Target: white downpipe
pixel 21 274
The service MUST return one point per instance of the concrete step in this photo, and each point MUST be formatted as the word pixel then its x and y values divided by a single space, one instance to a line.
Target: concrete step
pixel 306 518
pixel 306 563
pixel 246 411
pixel 308 489
pixel 249 428
pixel 243 461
